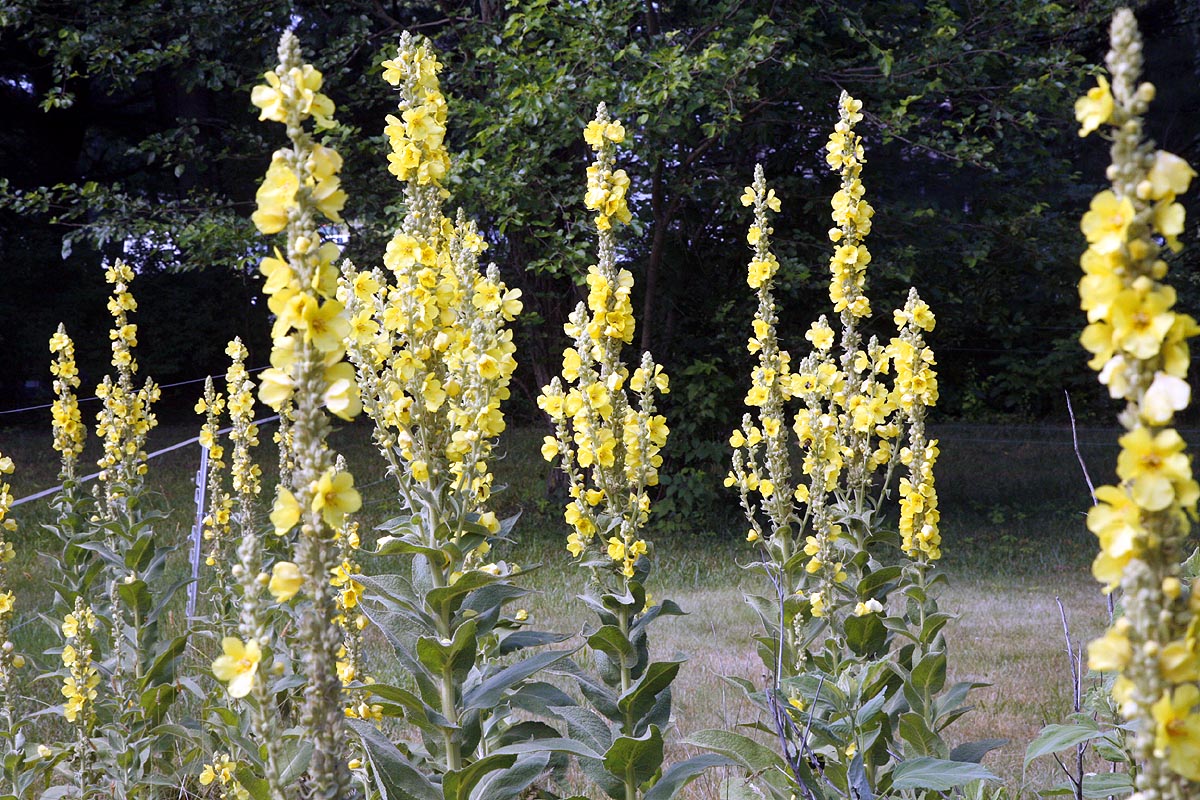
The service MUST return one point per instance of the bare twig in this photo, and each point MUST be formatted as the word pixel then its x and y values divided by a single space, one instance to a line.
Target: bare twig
pixel 1078 455
pixel 1112 608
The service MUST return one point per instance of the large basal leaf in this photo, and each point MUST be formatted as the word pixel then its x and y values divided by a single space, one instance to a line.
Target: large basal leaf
pixel 296 755
pixel 667 608
pixel 416 711
pixel 457 655
pixel 920 740
pixel 747 752
pixel 450 597
pixel 585 725
pixel 162 669
pixel 569 746
pixel 937 774
pixel 521 640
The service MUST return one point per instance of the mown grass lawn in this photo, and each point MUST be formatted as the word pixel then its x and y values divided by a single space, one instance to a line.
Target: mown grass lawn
pixel 1012 505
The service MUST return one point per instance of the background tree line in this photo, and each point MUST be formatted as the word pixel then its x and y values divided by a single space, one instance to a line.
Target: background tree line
pixel 129 130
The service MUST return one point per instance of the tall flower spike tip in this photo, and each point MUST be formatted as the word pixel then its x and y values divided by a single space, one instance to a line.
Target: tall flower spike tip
pixel 1139 346
pixel 608 442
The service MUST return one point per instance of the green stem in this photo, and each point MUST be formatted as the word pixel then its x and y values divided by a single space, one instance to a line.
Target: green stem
pixel 450 712
pixel 626 682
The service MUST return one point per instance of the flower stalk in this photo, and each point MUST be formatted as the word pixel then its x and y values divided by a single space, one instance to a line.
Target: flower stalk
pixel 1139 347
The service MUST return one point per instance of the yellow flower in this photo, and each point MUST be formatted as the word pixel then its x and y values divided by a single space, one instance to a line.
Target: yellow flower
pixel 286 580
pixel 616 549
pixel 285 513
pixel 1166 395
pixel 334 496
pixel 238 665
pixel 821 335
pixel 872 606
pixel 1110 652
pixel 276 195
pixel 1177 735
pixel 1106 222
pixel 1157 466
pixel 1169 176
pixel 1116 521
pixel 1094 109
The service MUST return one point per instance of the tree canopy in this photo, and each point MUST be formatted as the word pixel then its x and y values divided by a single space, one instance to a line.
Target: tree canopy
pixel 130 132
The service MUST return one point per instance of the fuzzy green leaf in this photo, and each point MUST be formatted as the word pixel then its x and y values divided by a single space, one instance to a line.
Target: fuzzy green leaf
pixel 487 694
pixel 937 774
pixel 639 758
pixel 1054 738
pixel 681 773
pixel 395 777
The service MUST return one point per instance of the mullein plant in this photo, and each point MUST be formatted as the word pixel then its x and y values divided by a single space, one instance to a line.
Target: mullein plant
pixel 1139 346
pixel 215 522
pixel 309 376
pixel 607 440
pixel 117 671
pixel 855 692
pixel 13 768
pixel 434 360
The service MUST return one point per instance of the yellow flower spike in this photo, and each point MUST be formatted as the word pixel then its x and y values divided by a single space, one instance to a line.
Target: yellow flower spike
pixel 238 665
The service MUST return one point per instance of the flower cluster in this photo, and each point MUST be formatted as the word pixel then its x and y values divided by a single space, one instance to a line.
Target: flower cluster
pixel 607 432
pixel 126 418
pixel 243 434
pixel 9 660
pixel 220 504
pixel 69 430
pixel 417 135
pixel 1139 345
pixel 308 376
pixel 79 686
pixel 851 416
pixel 301 285
pixel 222 771
pixel 915 391
pixel 428 336
pixel 607 187
pixel 851 214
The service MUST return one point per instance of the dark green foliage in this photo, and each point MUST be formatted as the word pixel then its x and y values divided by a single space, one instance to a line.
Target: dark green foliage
pixel 129 130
